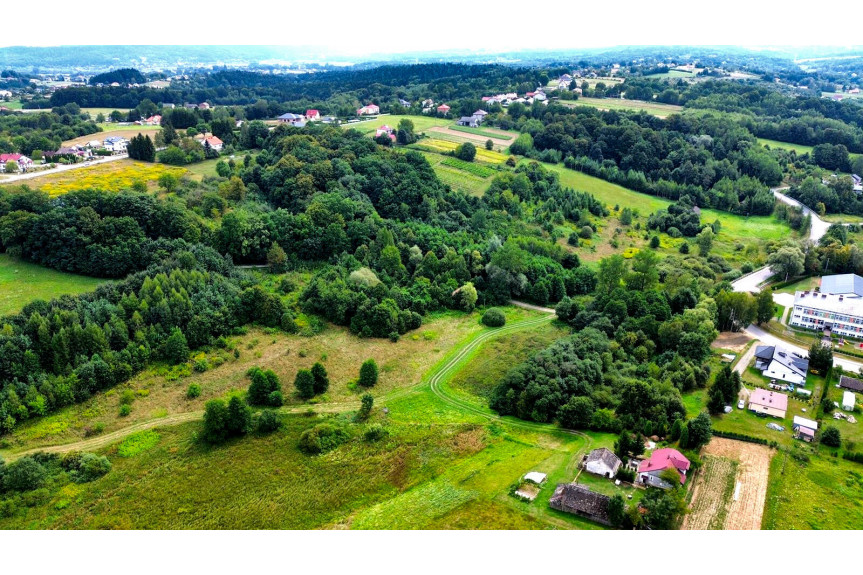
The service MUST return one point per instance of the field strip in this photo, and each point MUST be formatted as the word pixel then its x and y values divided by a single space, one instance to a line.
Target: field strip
pixel 470 136
pixel 444 369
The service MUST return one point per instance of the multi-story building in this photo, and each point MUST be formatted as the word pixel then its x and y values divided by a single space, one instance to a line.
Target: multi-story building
pixel 832 313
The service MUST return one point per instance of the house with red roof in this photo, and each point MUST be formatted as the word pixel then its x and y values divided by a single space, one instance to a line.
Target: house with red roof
pixel 24 163
pixel 768 403
pixel 214 142
pixel 386 130
pixel 443 109
pixel 313 115
pixel 650 470
pixel 369 110
pixel 153 120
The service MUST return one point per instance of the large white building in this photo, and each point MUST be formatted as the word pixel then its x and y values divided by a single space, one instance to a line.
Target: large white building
pixel 838 313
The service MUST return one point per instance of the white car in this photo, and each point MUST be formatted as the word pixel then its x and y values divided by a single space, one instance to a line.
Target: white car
pixel 740 404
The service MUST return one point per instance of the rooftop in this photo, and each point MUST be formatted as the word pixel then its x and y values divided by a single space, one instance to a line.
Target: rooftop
pixel 769 399
pixel 663 459
pixel 851 383
pixel 830 302
pixel 842 284
pixel 803 422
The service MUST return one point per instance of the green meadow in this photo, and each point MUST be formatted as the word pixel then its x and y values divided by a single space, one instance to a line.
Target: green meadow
pixel 22 282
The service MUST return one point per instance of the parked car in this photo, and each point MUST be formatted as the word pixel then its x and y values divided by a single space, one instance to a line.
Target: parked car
pixel 740 404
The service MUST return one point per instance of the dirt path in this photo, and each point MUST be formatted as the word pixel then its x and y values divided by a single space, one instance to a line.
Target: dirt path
pixel 59 168
pixel 530 306
pixel 468 136
pixel 745 507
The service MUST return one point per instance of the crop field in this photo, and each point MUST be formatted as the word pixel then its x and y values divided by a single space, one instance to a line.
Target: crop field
pixel 448 133
pixel 808 490
pixel 485 132
pixel 127 132
pixel 440 144
pixel 22 282
pixel 731 488
pixel 12 104
pixel 457 179
pixel 421 123
pixel 654 108
pixel 475 169
pixel 111 176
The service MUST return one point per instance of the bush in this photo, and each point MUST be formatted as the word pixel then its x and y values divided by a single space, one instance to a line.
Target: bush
pixel 268 422
pixel 625 474
pixel 305 383
pixel 684 248
pixel 193 391
pixel 375 432
pixel 493 317
pixel 466 152
pixel 368 373
pixel 740 437
pixel 322 380
pixel 276 399
pixel 264 384
pixel 322 437
pixel 831 436
pixel 92 467
pixel 24 475
pixel 125 410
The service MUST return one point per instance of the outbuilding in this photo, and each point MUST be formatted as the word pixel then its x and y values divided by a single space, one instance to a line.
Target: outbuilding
pixel 848 401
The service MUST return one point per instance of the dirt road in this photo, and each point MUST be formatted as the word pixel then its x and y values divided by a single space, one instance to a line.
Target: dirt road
pixel 60 168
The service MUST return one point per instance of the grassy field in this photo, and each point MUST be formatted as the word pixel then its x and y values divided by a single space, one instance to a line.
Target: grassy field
pixel 672 75
pixel 421 123
pixel 809 283
pixel 127 132
pixel 441 143
pixel 655 108
pixel 485 132
pixel 799 148
pixel 14 104
pixel 112 176
pixel 22 282
pixel 813 491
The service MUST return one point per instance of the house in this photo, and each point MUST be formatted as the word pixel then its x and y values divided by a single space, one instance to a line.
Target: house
pixel 153 121
pixel 169 106
pixel 369 110
pixel 427 104
pixel 580 500
pixel 649 470
pixel 540 97
pixel 386 131
pixel 778 363
pixel 470 121
pixel 24 163
pixel 190 106
pixel 313 115
pixel 851 383
pixel 330 120
pixel 768 402
pixel 203 106
pixel 443 109
pixel 848 285
pixel 290 118
pixel 215 143
pixel 115 144
pixel 481 114
pixel 841 314
pixel 848 401
pixel 804 428
pixel 565 78
pixel 602 462
pixel 404 103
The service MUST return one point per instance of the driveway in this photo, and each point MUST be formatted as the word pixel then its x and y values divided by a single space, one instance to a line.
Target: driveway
pixel 750 283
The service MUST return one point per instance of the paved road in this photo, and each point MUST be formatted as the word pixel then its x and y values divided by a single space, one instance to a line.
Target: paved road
pixel 60 168
pixel 751 283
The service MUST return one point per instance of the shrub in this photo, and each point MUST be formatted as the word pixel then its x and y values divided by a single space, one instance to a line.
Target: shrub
pixel 831 436
pixel 586 232
pixel 92 467
pixel 375 432
pixel 176 347
pixel 24 475
pixel 193 391
pixel 684 248
pixel 201 365
pixel 466 152
pixel 268 422
pixel 125 410
pixel 366 407
pixel 493 317
pixel 305 383
pixel 276 399
pixel 127 397
pixel 322 437
pixel 264 384
pixel 368 373
pixel 625 474
pixel 322 380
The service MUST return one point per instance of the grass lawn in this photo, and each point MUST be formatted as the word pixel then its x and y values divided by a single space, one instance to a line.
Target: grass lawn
pixel 110 176
pixel 821 493
pixel 849 431
pixel 487 133
pixel 12 104
pixel 421 123
pixel 199 170
pixel 799 148
pixel 457 179
pixel 22 282
pixel 809 283
pixel 655 108
pixel 672 75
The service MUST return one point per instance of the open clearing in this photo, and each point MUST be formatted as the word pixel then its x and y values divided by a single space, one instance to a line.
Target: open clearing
pixel 127 132
pixel 109 176
pixel 23 282
pixel 713 495
pixel 657 109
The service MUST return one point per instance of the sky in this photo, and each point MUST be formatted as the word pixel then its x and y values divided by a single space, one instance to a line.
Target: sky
pixel 396 26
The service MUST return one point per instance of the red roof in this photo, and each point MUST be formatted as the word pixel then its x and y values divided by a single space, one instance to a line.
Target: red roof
pixel 665 458
pixel 767 398
pixel 312 113
pixel 9 157
pixel 213 140
pixel 443 107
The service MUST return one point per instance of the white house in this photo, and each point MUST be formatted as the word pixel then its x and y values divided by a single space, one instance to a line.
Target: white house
pixel 369 110
pixel 804 428
pixel 848 401
pixel 115 144
pixel 602 462
pixel 778 363
pixel 24 163
pixel 841 314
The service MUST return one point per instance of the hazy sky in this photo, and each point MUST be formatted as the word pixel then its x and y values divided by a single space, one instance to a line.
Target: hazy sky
pixel 367 26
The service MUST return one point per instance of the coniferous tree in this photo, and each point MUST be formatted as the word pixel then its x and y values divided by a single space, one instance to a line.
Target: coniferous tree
pixel 322 380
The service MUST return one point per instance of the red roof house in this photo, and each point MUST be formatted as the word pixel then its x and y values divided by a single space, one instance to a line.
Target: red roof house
pixel 214 142
pixel 312 115
pixel 443 108
pixel 649 470
pixel 23 161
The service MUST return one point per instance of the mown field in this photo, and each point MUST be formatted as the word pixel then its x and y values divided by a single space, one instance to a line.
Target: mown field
pixel 22 282
pixel 654 108
pixel 114 176
pixel 421 123
pixel 127 132
pixel 799 148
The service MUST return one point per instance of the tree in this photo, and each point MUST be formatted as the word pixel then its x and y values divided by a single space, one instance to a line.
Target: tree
pixel 684 437
pixel 493 317
pixel 831 436
pixel 700 430
pixel 405 133
pixel 676 430
pixel 24 474
pixel 92 467
pixel 11 167
pixel 322 381
pixel 305 383
pixel 264 384
pixel 368 373
pixel 654 242
pixel 467 296
pixel 611 272
pixel 466 152
pixel 489 145
pixel 268 421
pixel 141 147
pixel 277 259
pixel 705 241
pixel 577 413
pixel 366 404
pixel 176 347
pixel 644 275
pixel 168 182
pixel 215 421
pixel 764 306
pixel 239 418
pixel 820 357
pixel 787 261
pixel 616 510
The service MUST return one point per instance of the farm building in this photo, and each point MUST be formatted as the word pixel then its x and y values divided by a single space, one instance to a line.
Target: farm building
pixel 848 401
pixel 24 163
pixel 602 462
pixel 580 500
pixel 649 470
pixel 778 363
pixel 535 477
pixel 851 383
pixel 848 285
pixel 768 402
pixel 369 110
pixel 469 121
pixel 804 428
